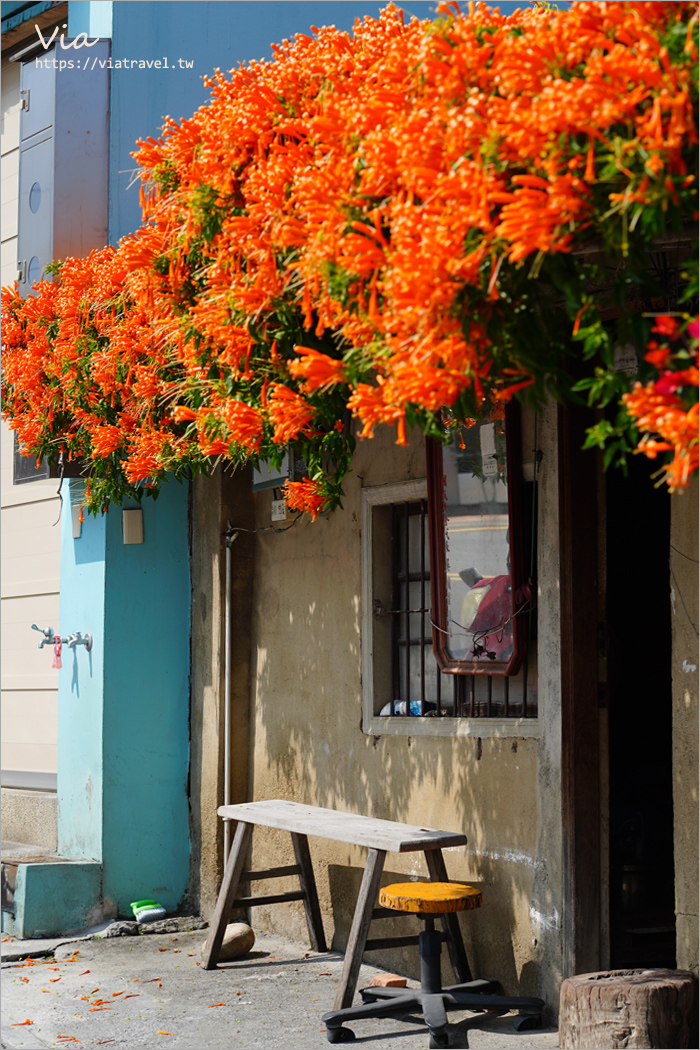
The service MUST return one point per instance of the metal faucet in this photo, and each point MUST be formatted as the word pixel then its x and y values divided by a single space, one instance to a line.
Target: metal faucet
pixel 71 640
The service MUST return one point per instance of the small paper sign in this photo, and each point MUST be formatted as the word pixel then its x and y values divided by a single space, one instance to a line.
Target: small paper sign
pixel 490 464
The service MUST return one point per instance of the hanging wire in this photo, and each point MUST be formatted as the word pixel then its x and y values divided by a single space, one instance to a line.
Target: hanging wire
pixel 233 530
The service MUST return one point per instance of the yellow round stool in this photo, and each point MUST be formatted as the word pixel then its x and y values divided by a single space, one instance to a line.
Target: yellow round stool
pixel 428 899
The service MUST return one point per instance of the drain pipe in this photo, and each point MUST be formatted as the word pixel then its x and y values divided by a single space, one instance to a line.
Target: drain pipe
pixel 229 540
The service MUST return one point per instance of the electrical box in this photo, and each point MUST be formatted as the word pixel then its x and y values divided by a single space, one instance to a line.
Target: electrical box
pixel 279 510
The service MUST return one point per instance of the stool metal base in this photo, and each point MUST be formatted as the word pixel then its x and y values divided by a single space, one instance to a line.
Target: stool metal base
pixel 432 1000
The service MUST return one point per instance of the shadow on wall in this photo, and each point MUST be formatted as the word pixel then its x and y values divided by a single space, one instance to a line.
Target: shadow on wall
pixel 309 746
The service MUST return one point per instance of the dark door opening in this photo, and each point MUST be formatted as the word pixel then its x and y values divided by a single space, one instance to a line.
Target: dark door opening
pixel 642 916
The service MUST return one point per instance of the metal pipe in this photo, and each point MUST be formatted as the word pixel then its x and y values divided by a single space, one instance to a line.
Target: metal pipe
pixel 227 691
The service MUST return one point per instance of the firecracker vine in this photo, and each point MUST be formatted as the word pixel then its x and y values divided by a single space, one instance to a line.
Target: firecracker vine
pixel 394 226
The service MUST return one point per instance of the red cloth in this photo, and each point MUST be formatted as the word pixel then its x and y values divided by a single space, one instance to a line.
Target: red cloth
pixel 495 610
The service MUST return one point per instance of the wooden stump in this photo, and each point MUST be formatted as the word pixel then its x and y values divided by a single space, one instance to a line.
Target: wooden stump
pixel 626 1008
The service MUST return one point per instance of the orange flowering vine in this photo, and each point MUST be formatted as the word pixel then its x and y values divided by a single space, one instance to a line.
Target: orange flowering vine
pixel 306 495
pixel 392 224
pixel 666 411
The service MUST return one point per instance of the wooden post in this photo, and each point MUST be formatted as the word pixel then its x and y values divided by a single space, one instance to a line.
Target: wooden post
pixel 307 882
pixel 627 1008
pixel 227 894
pixel 360 926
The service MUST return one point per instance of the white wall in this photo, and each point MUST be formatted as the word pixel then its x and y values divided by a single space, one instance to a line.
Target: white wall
pixel 30 552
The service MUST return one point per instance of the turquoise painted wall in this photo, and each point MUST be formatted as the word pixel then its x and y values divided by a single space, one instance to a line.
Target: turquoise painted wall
pixel 53 899
pixel 93 17
pixel 123 744
pixel 80 685
pixel 146 711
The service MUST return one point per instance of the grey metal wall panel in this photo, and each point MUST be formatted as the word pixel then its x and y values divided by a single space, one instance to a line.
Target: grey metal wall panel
pixel 64 158
pixel 35 218
pixel 82 153
pixel 37 87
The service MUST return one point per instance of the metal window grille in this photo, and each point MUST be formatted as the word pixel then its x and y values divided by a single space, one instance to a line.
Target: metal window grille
pixel 418 685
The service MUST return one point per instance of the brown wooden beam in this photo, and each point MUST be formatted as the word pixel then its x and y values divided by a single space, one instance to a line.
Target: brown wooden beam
pixel 579 695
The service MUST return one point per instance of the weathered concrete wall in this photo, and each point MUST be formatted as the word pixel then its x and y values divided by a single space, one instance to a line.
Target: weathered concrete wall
pixel 216 502
pixel 29 817
pixel 55 898
pixel 684 594
pixel 307 743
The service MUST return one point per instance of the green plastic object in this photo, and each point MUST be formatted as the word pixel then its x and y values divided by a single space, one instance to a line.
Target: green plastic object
pixel 147 910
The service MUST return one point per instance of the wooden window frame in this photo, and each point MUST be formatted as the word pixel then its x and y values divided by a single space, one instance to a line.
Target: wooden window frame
pixel 436 502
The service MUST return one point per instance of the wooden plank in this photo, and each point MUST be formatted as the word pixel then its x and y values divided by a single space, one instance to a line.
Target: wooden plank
pixel 389 913
pixel 270 898
pixel 227 894
pixel 388 835
pixel 270 873
pixel 449 922
pixel 377 943
pixel 580 718
pixel 360 926
pixel 314 922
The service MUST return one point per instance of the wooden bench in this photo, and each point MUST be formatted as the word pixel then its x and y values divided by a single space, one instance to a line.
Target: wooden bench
pixel 378 836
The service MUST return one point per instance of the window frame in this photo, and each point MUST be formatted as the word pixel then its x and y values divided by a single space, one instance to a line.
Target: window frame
pixel 438 587
pixel 397 725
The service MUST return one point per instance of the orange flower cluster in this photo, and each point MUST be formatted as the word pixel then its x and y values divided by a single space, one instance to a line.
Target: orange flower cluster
pixel 307 495
pixel 352 175
pixel 668 421
pixel 347 225
pixel 85 374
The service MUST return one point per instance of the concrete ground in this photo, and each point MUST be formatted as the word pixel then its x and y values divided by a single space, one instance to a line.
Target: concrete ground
pixel 150 991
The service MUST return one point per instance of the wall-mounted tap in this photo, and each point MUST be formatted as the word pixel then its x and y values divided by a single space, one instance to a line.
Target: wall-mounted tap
pixel 71 640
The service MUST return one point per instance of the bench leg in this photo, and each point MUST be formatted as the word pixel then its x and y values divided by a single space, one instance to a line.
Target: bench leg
pixel 450 922
pixel 227 895
pixel 360 927
pixel 307 882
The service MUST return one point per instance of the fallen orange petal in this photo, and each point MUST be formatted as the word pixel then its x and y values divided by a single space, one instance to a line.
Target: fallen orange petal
pixel 164 1033
pixel 83 973
pixel 18 1024
pixel 212 1005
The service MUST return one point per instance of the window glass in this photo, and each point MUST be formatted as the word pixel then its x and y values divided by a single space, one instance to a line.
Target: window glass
pixel 476 539
pixel 477 549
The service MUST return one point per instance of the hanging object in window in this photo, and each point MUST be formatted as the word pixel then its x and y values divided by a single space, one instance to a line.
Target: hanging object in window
pixel 477 586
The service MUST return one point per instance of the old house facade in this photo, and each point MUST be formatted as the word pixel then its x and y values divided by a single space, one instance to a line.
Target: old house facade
pixel 563 844
pixel 238 656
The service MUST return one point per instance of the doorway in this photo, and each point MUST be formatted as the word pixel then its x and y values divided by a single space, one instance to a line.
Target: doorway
pixel 638 611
